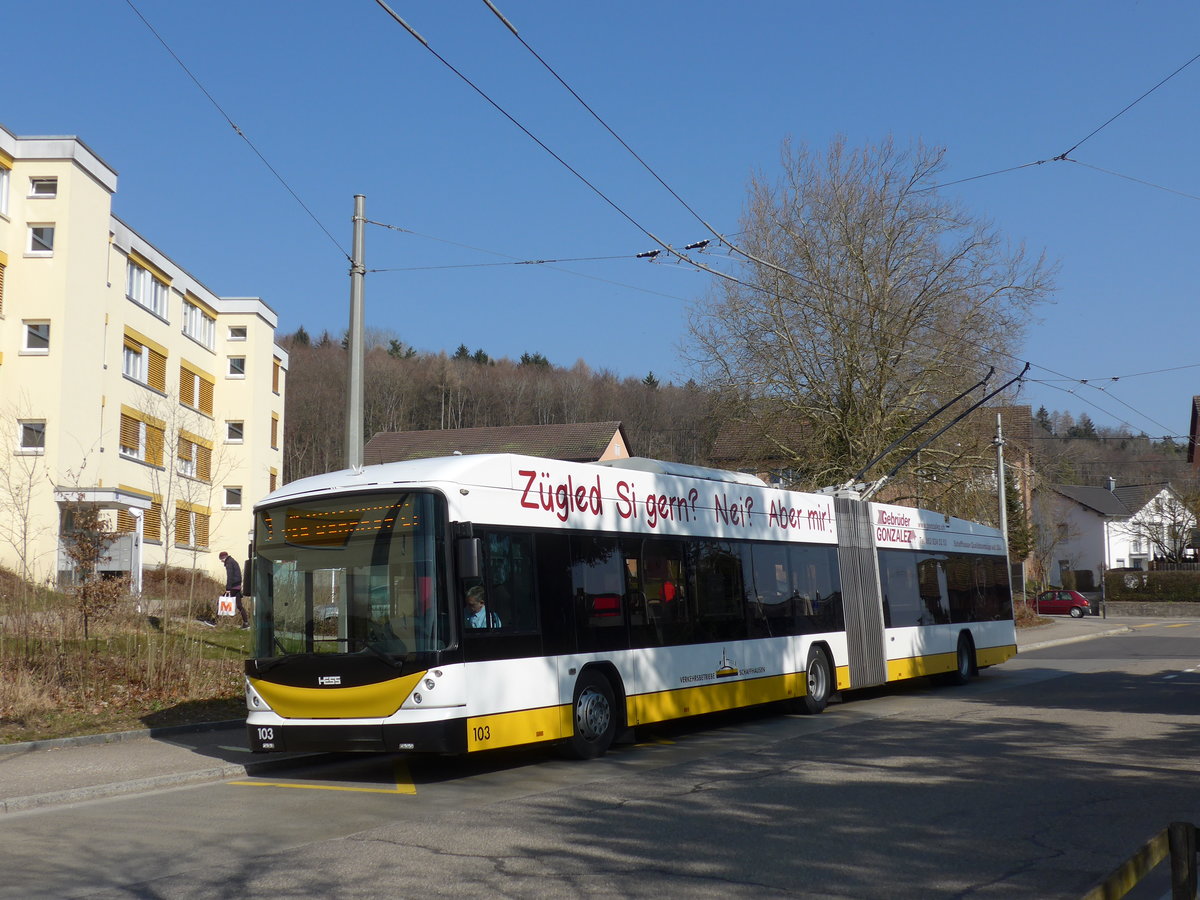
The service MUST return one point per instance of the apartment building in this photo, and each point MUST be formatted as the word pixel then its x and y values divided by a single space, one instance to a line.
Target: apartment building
pixel 124 381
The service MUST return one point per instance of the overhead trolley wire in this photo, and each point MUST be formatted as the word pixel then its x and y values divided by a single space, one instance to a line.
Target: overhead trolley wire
pixel 666 247
pixel 237 129
pixel 1065 156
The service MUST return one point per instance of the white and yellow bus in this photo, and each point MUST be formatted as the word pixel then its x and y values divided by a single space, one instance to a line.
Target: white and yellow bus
pixel 475 602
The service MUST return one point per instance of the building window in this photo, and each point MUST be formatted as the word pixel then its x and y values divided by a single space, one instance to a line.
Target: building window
pixel 274 431
pixel 234 432
pixel 199 325
pixel 191 527
pixel 237 367
pixel 233 498
pixel 274 480
pixel 144 288
pixel 31 436
pixel 141 437
pixel 144 361
pixel 2 268
pixel 276 374
pixel 134 362
pixel 37 337
pixel 237 332
pixel 195 390
pixel 4 177
pixel 43 188
pixel 195 457
pixel 41 240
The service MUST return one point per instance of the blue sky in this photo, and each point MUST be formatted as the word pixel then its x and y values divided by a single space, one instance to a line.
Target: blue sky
pixel 340 100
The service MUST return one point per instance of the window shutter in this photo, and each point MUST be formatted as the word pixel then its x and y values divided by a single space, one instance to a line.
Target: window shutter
pixel 183 526
pixel 152 524
pixel 131 433
pixel 201 530
pixel 154 444
pixel 2 268
pixel 156 370
pixel 206 396
pixel 203 463
pixel 125 522
pixel 187 387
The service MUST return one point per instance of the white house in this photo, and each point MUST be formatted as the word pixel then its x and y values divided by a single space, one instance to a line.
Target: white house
pixel 1086 530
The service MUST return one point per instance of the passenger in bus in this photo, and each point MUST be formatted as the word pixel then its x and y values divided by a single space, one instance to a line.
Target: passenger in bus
pixel 477 612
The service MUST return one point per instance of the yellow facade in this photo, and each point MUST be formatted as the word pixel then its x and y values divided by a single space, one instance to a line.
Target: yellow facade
pixel 124 381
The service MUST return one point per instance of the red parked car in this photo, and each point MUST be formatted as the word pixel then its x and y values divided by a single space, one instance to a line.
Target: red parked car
pixel 1062 603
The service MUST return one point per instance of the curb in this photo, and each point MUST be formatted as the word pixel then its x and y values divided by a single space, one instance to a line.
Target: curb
pixel 140 785
pixel 1058 642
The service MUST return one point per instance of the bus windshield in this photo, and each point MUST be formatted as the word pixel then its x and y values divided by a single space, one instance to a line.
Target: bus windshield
pixel 358 573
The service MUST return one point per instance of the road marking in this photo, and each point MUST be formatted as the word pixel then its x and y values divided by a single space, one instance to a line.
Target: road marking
pixel 234 749
pixel 1180 625
pixel 404 784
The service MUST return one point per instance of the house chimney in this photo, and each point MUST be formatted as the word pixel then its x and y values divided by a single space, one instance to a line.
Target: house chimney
pixel 1112 484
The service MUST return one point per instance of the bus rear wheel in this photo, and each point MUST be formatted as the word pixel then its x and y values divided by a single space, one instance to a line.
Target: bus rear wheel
pixel 819 678
pixel 593 713
pixel 964 662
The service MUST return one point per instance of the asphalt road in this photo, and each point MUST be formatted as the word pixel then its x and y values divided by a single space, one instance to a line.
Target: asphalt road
pixel 1033 781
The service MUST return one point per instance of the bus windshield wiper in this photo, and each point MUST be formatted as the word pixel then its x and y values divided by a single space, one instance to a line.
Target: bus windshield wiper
pixel 386 657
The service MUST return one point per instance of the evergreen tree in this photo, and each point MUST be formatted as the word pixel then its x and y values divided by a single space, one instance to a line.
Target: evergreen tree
pixel 399 350
pixel 1042 418
pixel 301 338
pixel 1020 534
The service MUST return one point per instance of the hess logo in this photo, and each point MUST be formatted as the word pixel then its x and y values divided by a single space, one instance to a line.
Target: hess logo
pixel 329 680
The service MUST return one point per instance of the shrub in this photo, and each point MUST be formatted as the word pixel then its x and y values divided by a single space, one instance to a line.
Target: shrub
pixel 1152 586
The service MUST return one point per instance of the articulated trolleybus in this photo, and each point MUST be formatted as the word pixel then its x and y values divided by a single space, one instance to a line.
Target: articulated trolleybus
pixel 476 602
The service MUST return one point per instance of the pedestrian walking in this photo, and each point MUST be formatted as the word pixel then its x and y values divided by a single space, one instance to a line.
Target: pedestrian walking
pixel 233 585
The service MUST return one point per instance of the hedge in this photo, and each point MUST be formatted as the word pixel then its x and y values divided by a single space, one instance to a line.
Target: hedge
pixel 1152 586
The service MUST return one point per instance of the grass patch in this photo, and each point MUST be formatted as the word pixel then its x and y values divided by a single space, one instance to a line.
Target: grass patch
pixel 147 662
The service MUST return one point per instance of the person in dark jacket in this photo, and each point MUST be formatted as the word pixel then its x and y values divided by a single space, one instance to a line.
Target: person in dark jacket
pixel 233 585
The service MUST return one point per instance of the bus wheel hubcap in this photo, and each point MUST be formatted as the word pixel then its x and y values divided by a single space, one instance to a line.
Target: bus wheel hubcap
pixel 591 714
pixel 816 681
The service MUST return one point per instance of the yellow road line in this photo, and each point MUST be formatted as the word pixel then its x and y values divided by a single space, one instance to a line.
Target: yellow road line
pixel 404 784
pixel 1180 625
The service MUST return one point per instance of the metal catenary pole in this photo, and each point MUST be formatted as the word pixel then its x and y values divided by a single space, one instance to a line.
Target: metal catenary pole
pixel 354 355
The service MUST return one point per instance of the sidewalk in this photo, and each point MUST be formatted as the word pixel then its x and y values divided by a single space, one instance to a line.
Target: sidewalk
pixel 70 770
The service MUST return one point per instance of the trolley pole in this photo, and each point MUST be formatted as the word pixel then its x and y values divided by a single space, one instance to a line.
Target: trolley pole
pixel 1000 479
pixel 1003 493
pixel 354 373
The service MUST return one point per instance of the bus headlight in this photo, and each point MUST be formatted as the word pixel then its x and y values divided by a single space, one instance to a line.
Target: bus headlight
pixel 254 700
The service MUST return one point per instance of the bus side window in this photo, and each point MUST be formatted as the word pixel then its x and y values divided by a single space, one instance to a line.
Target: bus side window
pixel 508 580
pixel 598 592
pixel 719 590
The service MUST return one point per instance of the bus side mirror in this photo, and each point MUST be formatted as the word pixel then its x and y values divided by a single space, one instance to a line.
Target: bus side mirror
pixel 469 553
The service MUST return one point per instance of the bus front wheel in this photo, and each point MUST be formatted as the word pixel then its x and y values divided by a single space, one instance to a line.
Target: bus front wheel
pixel 593 712
pixel 819 678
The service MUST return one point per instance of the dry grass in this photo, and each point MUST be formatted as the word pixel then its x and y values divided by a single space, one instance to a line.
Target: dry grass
pixel 147 662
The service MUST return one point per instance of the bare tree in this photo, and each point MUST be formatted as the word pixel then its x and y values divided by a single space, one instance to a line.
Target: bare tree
pixel 1165 526
pixel 868 300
